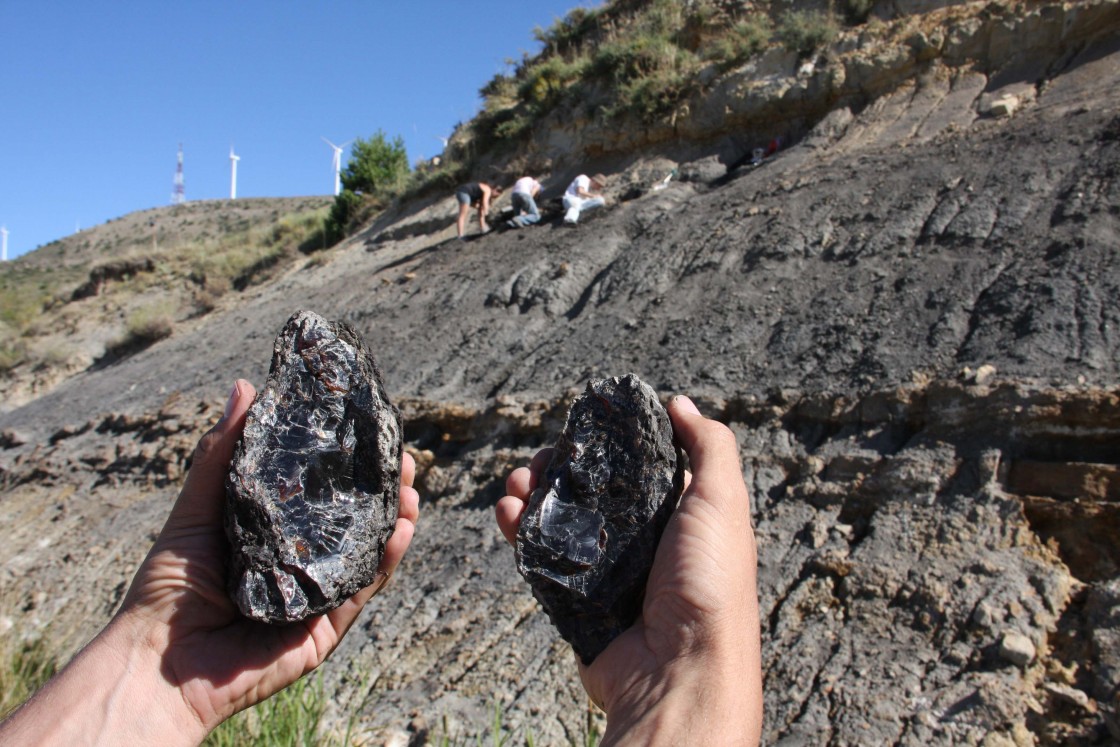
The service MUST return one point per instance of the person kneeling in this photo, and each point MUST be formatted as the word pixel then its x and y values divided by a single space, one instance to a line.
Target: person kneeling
pixel 584 193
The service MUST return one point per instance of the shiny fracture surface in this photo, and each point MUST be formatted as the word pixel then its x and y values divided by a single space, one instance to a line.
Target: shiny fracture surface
pixel 588 536
pixel 312 494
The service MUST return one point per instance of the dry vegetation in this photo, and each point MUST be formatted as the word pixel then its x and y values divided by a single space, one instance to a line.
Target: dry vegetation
pixel 116 289
pixel 640 60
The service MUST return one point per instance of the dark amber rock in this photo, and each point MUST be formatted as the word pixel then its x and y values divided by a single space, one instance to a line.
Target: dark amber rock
pixel 313 490
pixel 589 533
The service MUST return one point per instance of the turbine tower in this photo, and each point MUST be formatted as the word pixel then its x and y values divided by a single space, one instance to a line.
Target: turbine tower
pixel 177 196
pixel 336 163
pixel 3 243
pixel 233 159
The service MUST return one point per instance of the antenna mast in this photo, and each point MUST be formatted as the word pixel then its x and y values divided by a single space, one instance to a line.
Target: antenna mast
pixel 177 194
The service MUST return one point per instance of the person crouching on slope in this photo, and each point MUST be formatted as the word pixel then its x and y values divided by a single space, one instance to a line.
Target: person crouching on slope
pixel 524 199
pixel 583 193
pixel 477 194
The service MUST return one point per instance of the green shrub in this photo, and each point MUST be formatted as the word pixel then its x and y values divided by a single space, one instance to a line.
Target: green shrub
pixel 649 74
pixel 237 261
pixel 501 88
pixel 566 35
pixel 742 41
pixel 651 97
pixel 293 229
pixel 376 166
pixel 13 350
pixel 342 212
pixel 25 290
pixel 545 83
pixel 805 31
pixel 441 179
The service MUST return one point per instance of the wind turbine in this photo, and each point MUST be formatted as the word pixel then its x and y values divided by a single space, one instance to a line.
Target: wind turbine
pixel 233 159
pixel 4 244
pixel 336 163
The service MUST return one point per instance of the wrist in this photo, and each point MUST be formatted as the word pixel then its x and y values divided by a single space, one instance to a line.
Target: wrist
pixel 160 714
pixel 700 700
pixel 112 692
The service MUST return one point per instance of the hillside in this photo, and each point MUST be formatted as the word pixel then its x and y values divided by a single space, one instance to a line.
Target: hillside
pixel 93 297
pixel 907 314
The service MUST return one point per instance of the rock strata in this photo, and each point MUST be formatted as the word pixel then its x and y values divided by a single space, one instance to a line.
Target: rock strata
pixel 314 486
pixel 589 534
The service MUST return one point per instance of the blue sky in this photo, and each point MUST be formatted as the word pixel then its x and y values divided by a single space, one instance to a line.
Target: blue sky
pixel 96 97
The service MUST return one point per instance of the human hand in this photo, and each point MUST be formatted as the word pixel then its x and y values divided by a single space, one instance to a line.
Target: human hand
pixel 221 661
pixel 178 658
pixel 690 666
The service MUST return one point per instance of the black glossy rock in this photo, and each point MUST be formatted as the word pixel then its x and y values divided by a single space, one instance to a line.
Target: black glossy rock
pixel 590 530
pixel 313 490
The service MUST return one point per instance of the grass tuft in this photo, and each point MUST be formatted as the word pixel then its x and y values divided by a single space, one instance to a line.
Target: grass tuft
pixel 26 666
pixel 805 31
pixel 292 717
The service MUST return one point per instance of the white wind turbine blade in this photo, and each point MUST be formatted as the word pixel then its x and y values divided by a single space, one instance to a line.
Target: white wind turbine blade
pixel 336 163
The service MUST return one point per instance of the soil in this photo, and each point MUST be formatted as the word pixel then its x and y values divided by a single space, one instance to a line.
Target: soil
pixel 908 316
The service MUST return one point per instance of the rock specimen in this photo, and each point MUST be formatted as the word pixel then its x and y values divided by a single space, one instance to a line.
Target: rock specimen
pixel 313 491
pixel 589 533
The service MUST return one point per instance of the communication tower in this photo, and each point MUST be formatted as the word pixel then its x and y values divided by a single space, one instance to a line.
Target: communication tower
pixel 177 194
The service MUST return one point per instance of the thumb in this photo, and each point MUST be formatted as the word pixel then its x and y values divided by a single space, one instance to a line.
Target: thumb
pixel 717 475
pixel 200 501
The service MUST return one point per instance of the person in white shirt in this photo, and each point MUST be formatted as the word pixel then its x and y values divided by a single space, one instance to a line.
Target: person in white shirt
pixel 584 193
pixel 524 200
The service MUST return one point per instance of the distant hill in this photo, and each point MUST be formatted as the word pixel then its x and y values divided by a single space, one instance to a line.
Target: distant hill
pixel 907 314
pixel 113 289
pixel 159 230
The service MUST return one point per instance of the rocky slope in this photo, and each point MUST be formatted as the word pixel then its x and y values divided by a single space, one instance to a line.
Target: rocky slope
pixel 908 317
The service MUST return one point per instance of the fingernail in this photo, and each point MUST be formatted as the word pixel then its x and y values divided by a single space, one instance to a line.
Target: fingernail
pixel 685 404
pixel 230 402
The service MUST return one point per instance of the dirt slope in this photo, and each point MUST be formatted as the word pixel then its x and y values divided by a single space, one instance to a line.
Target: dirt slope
pixel 908 317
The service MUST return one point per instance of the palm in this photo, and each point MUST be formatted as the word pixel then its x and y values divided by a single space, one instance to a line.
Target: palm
pixel 698 582
pixel 221 661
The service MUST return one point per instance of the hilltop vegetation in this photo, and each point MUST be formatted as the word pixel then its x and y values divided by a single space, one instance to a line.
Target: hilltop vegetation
pixel 643 59
pixel 630 61
pixel 112 290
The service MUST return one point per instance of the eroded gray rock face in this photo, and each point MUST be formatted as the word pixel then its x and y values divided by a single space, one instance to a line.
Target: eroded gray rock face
pixel 313 491
pixel 588 536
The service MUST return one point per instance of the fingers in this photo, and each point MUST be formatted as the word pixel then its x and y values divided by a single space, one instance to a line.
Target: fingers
pixel 717 474
pixel 200 501
pixel 396 546
pixel 410 499
pixel 341 618
pixel 519 485
pixel 408 469
pixel 408 514
pixel 537 467
pixel 508 513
